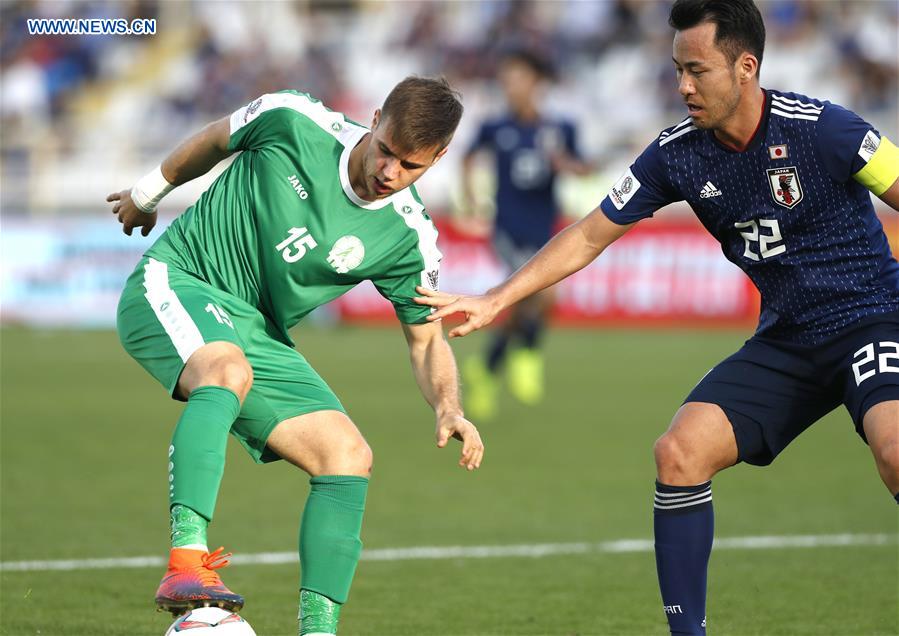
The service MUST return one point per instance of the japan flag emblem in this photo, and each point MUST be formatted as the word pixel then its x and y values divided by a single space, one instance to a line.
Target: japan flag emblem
pixel 785 186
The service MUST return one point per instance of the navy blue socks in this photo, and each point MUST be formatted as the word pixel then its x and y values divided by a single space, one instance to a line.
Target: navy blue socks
pixel 531 329
pixel 684 528
pixel 497 351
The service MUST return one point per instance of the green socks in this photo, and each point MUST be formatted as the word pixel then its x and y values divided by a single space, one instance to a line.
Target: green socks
pixel 197 453
pixel 318 614
pixel 329 549
pixel 188 528
pixel 332 521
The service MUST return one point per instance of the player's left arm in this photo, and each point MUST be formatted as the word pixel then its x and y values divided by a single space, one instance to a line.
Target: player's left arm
pixel 881 173
pixel 435 372
pixel 850 147
pixel 569 160
pixel 567 164
pixel 891 196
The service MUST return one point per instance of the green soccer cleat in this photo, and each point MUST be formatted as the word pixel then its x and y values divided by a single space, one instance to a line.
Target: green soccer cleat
pixel 481 390
pixel 525 376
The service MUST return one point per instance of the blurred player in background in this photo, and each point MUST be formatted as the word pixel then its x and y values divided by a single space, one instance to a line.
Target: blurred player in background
pixel 314 205
pixel 783 181
pixel 530 148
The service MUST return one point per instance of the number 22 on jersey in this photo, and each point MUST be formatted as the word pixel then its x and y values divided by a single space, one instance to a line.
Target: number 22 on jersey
pixel 294 247
pixel 759 244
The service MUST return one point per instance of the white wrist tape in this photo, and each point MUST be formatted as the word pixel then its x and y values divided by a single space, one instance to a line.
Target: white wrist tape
pixel 149 190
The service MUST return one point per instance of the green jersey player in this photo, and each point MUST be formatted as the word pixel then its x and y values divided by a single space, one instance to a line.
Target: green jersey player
pixel 313 205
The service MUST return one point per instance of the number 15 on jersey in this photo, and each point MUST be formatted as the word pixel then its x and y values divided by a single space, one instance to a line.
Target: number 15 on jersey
pixel 294 247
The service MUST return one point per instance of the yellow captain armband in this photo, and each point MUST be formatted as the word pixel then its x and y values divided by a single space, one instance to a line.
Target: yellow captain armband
pixel 882 168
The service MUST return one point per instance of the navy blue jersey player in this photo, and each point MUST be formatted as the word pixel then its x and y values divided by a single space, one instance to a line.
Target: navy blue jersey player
pixel 529 149
pixel 783 181
pixel 785 208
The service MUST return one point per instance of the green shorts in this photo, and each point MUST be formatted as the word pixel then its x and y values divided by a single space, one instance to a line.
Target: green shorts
pixel 166 314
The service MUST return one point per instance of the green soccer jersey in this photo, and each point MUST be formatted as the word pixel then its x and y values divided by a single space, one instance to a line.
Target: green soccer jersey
pixel 282 228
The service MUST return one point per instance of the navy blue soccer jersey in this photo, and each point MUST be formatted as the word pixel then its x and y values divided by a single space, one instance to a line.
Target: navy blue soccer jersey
pixel 526 208
pixel 786 211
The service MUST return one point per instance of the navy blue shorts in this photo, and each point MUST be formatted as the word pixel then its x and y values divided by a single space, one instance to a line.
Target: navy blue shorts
pixel 772 390
pixel 512 253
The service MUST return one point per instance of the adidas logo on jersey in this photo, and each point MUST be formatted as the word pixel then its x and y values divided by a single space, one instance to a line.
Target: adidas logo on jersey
pixel 709 190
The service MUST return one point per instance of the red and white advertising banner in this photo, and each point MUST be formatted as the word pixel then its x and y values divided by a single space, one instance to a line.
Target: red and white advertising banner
pixel 665 271
pixel 661 272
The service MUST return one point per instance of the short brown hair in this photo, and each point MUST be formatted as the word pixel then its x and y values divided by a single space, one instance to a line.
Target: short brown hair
pixel 423 113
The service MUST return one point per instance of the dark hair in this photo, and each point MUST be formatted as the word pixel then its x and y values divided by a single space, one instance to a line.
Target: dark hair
pixel 739 24
pixel 423 113
pixel 538 63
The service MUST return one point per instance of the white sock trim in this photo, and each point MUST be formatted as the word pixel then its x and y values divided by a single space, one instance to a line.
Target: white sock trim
pixel 194 546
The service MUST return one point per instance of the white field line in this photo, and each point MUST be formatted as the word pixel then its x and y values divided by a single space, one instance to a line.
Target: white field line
pixel 534 551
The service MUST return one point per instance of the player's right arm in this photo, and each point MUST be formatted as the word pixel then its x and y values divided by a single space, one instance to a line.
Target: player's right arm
pixel 569 251
pixel 468 198
pixel 642 190
pixel 481 142
pixel 194 157
pixel 199 154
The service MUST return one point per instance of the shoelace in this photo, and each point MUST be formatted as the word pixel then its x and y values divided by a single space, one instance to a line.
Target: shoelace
pixel 210 562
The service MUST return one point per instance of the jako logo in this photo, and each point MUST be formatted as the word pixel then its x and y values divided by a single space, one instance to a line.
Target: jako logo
pixel 295 184
pixel 673 609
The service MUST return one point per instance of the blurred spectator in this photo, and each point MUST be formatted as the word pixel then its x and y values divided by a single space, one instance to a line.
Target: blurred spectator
pixel 208 57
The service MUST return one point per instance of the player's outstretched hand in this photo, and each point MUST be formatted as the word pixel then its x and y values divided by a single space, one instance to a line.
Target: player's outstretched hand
pixel 466 432
pixel 130 216
pixel 479 311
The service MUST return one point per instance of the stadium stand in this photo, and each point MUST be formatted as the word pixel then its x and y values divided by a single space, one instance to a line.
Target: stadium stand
pixel 70 106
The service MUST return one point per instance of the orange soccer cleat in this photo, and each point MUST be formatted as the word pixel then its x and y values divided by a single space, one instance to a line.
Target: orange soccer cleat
pixel 192 581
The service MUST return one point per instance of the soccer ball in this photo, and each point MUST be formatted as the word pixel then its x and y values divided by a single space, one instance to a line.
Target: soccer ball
pixel 210 621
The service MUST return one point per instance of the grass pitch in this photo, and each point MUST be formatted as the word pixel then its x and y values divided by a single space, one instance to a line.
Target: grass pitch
pixel 84 438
